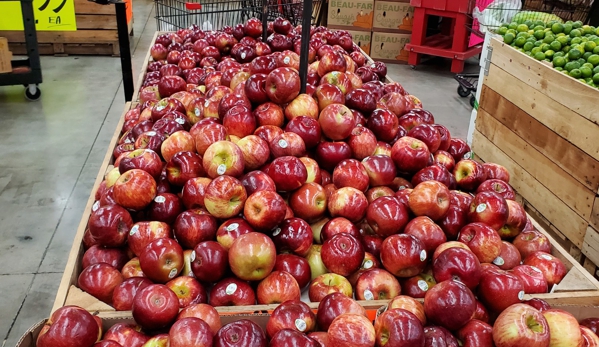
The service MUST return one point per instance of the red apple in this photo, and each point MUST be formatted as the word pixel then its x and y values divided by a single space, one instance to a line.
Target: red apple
pixel 204 312
pixel 252 256
pixel 161 260
pixel 190 331
pixel 327 94
pixel 499 289
pixel 532 279
pixel 132 269
pixel 350 329
pixel 194 191
pixel 134 189
pixel 398 327
pixel 498 186
pixel 331 61
pixel 387 216
pixel 553 269
pixel 336 121
pixel 143 159
pixel 403 255
pixel 333 305
pixel 188 290
pixel 564 329
pixel 430 198
pixel 449 304
pixel 282 85
pixel 483 241
pixel 114 257
pixel 362 142
pixel 351 173
pixel 509 256
pixel 528 242
pixel 205 135
pixel 303 105
pixel 100 280
pixel 223 158
pixel 225 197
pixel 516 220
pixel 255 181
pixel 69 326
pixel 295 265
pixel 240 333
pixel 457 264
pixel 469 174
pixel 232 292
pixel 264 210
pixel 376 284
pixel 231 230
pixel 209 261
pixel 328 283
pixel 277 287
pixel 294 235
pixel 292 314
pixel 496 171
pixel 349 203
pixel 329 154
pixel 489 208
pixel 194 226
pixel 410 155
pixel 165 208
pixel 445 159
pixel 307 128
pixel 177 142
pixel 155 307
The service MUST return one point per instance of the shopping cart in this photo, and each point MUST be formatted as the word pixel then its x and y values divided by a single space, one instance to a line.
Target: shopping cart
pixel 216 14
pixel 489 15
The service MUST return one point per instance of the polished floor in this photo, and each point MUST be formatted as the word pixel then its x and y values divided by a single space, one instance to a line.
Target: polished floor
pixel 51 152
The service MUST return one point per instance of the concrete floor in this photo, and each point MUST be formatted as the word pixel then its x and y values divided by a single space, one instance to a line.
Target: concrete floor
pixel 52 150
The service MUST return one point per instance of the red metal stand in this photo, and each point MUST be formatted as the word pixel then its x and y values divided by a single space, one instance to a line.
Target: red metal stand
pixel 452 42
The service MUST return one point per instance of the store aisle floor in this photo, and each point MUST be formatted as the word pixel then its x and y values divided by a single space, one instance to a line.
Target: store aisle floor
pixel 52 151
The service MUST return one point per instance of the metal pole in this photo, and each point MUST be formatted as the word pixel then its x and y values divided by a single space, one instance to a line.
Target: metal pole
pixel 264 20
pixel 304 48
pixel 125 50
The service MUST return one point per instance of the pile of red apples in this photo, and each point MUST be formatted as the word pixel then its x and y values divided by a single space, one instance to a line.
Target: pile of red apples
pixel 339 321
pixel 230 187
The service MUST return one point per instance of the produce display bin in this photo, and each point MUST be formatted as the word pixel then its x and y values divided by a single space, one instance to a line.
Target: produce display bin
pixel 578 287
pixel 29 338
pixel 542 125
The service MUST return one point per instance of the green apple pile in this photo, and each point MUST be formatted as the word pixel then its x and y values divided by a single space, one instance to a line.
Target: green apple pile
pixel 572 48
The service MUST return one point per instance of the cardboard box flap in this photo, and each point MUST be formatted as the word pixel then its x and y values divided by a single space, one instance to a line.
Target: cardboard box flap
pixel 30 337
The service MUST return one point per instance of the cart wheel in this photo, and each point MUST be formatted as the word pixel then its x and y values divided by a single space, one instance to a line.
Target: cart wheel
pixel 33 92
pixel 413 67
pixel 463 92
pixel 472 100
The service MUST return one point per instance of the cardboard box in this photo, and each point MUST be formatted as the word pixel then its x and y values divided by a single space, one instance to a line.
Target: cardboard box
pixel 389 47
pixel 362 39
pixel 5 56
pixel 397 16
pixel 354 13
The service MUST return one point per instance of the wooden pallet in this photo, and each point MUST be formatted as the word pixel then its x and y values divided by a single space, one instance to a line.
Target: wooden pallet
pixel 543 127
pixel 96 34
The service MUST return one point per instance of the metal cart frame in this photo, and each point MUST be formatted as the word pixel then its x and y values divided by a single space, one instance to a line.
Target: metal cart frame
pixel 33 77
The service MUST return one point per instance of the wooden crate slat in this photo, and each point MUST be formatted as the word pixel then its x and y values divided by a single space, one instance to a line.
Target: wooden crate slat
pixel 563 217
pixel 595 214
pixel 578 130
pixel 569 157
pixel 88 7
pixel 73 267
pixel 565 187
pixel 569 92
pixel 96 21
pixel 590 247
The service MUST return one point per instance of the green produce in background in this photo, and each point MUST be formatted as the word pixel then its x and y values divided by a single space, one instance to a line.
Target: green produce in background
pixel 572 48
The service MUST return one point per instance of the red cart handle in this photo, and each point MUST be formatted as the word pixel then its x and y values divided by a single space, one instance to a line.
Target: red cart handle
pixel 192 6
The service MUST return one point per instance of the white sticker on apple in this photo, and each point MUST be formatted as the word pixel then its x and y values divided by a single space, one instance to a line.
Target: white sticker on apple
pixel 192 257
pixel 151 133
pixel 180 121
pixel 521 295
pixel 546 256
pixel 231 288
pixel 286 60
pixel 468 155
pixel 173 273
pixel 481 207
pixel 422 285
pixel 160 107
pixel 221 169
pixel 283 143
pixel 276 232
pixel 243 55
pixel 95 206
pixel 232 227
pixel 134 230
pixel 499 261
pixel 197 111
pixel 160 199
pixel 368 264
pixel 206 103
pixel 422 255
pixel 368 295
pixel 301 325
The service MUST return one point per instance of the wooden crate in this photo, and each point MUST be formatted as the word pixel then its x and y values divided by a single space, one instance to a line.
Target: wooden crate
pixel 5 56
pixel 260 317
pixel 96 33
pixel 578 287
pixel 543 126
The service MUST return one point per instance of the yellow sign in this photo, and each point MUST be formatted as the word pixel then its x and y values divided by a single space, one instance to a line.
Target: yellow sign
pixel 50 15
